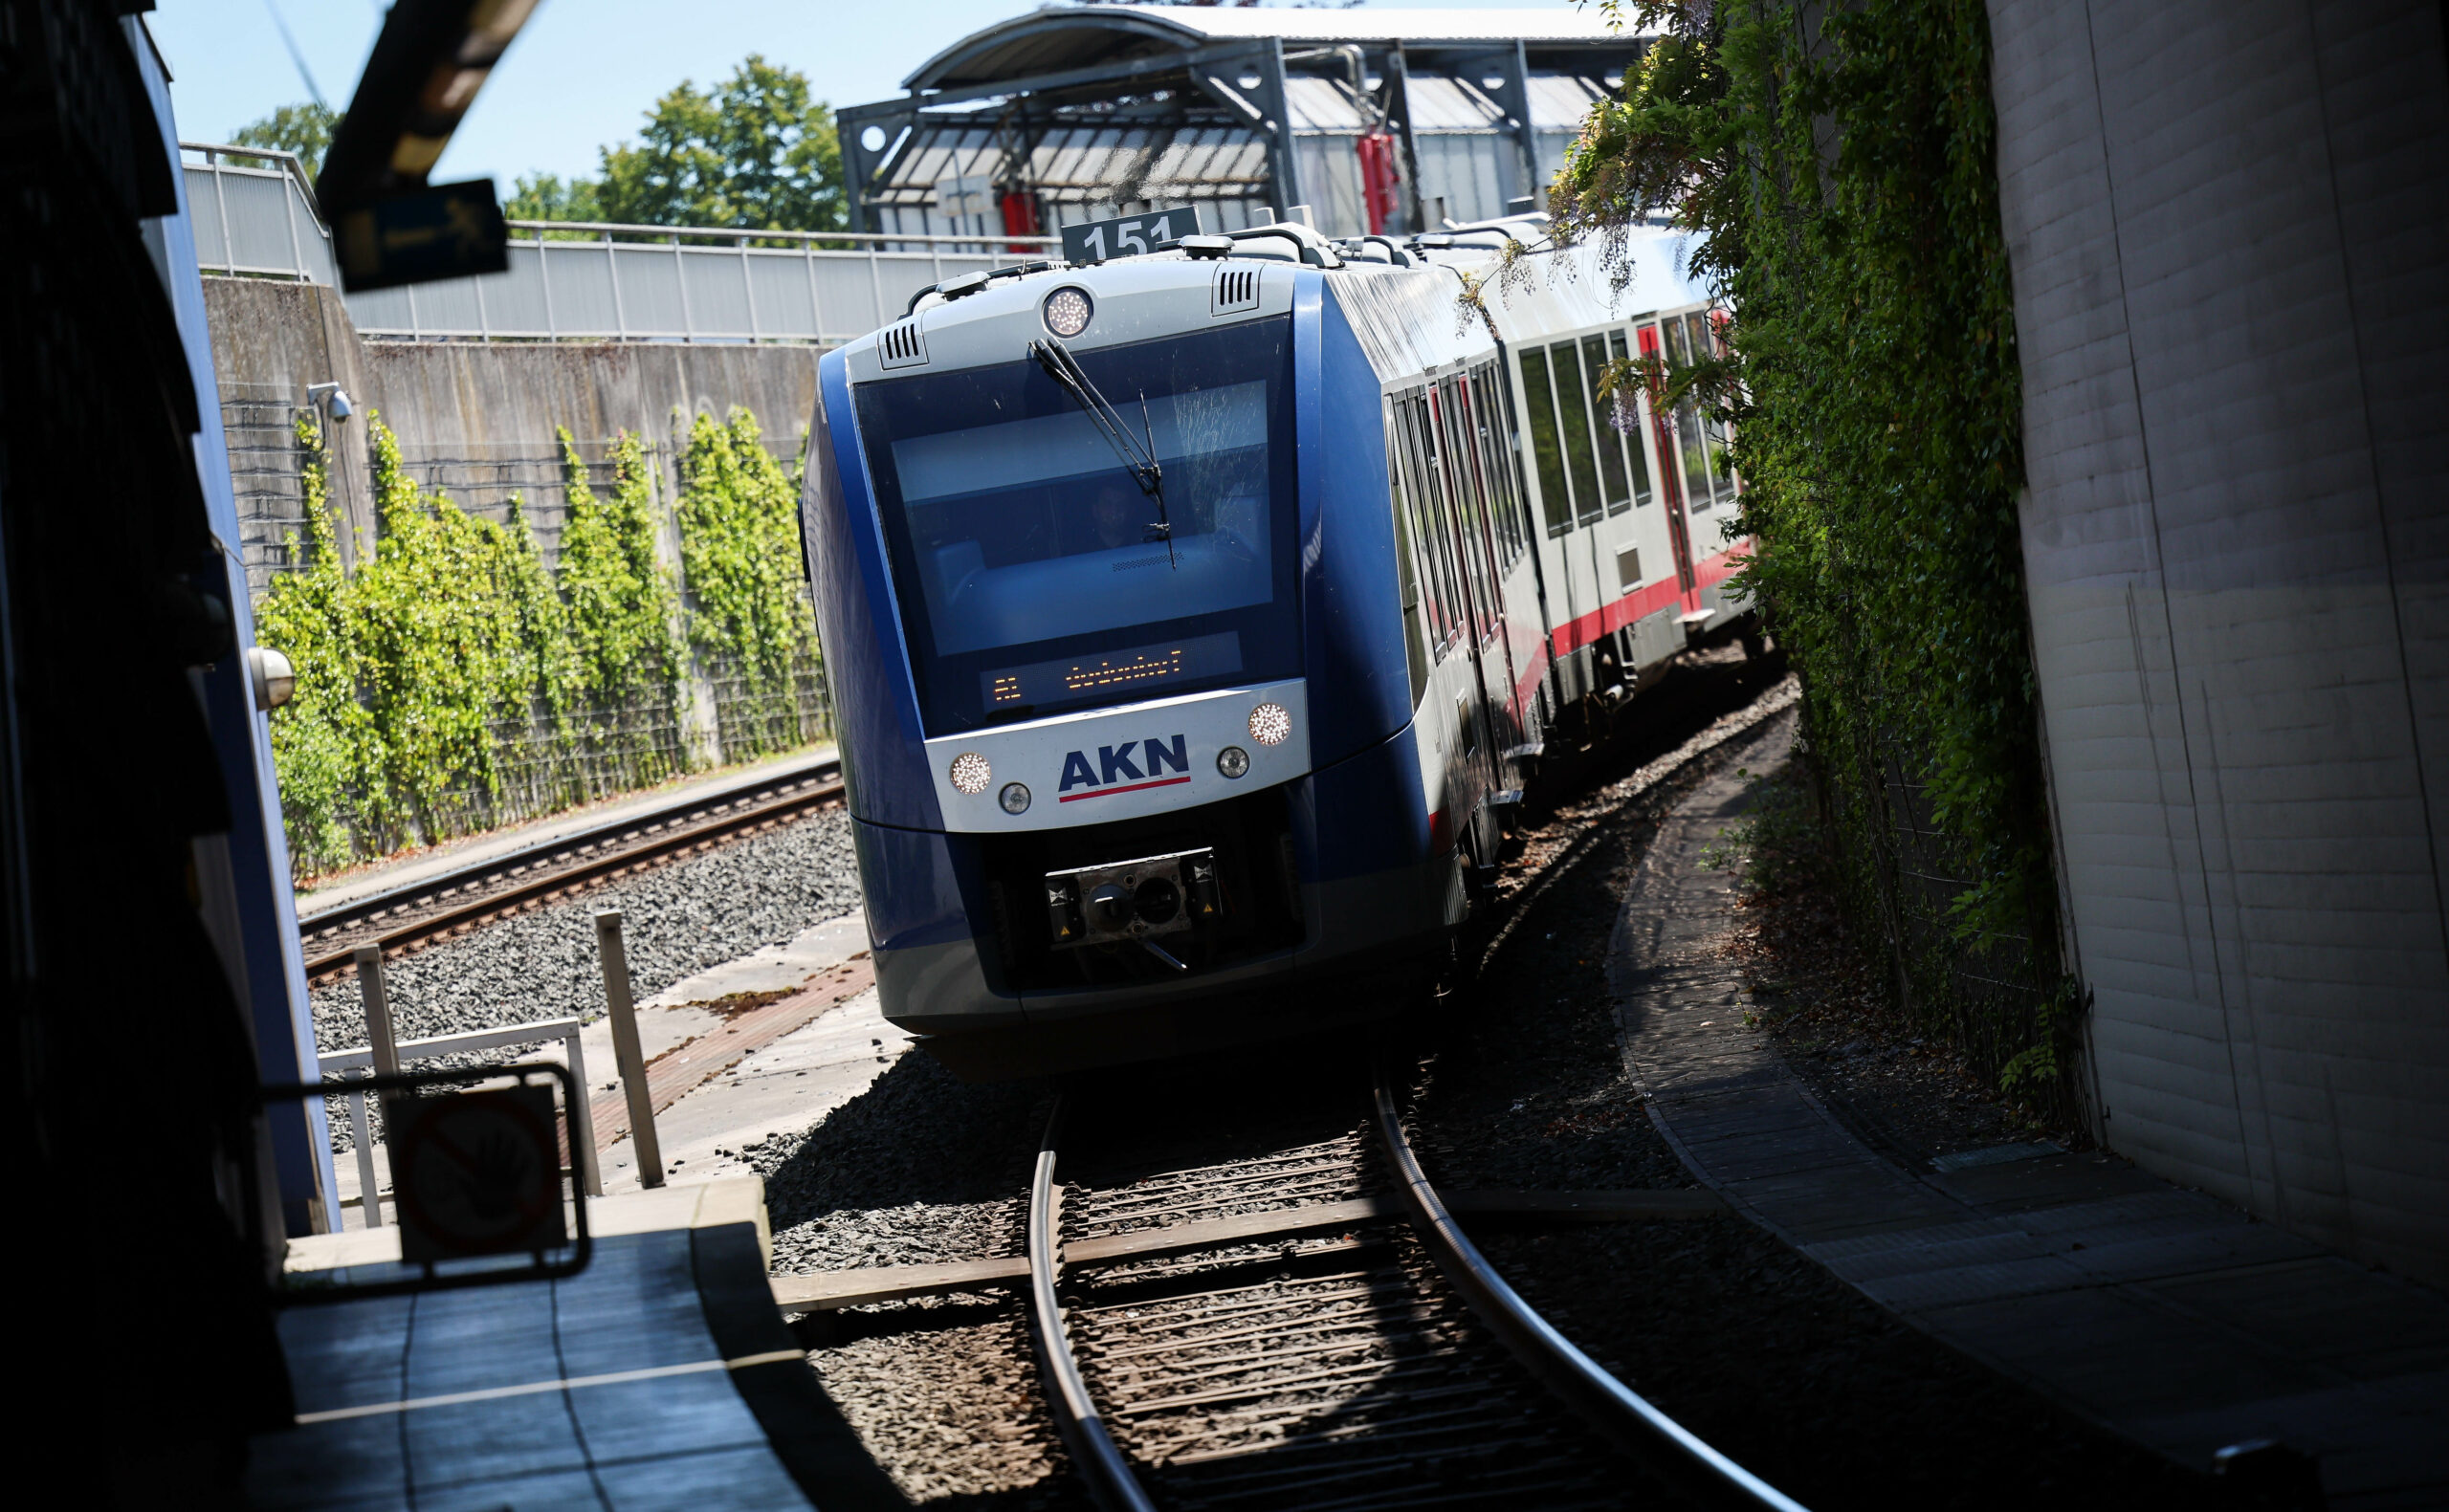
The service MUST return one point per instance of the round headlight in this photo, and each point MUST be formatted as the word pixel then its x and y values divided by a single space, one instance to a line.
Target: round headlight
pixel 1271 724
pixel 970 772
pixel 1066 312
pixel 1232 760
pixel 1015 798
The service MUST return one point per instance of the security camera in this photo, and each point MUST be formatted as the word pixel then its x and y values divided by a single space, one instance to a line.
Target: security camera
pixel 330 396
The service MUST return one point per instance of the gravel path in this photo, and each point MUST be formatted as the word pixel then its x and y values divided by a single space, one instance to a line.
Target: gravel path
pixel 682 918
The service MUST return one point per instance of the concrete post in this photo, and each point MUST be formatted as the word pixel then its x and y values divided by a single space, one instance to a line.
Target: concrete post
pixel 377 996
pixel 582 1123
pixel 626 1049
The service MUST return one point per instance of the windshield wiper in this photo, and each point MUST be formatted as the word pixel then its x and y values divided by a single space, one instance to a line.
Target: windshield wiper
pixel 1139 453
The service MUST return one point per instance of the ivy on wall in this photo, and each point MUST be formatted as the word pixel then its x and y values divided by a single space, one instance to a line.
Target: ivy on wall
pixel 749 615
pixel 452 665
pixel 1836 168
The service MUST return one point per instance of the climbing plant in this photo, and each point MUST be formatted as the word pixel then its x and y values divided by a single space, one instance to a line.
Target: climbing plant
pixel 622 607
pixel 1835 169
pixel 453 675
pixel 749 616
pixel 317 738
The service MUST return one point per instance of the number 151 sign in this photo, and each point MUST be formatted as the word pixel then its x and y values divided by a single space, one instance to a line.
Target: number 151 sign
pixel 1129 235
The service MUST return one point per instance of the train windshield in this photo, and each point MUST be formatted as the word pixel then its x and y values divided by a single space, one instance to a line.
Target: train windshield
pixel 1036 575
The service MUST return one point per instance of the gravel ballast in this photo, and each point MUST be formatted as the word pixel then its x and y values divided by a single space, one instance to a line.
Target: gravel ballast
pixel 681 919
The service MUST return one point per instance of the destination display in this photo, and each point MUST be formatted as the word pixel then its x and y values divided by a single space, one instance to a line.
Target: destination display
pixel 1040 686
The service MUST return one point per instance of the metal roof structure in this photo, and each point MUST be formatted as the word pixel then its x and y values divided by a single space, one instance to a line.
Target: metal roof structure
pixel 1072 113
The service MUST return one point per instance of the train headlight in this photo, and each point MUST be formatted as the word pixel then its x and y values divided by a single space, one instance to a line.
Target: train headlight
pixel 971 773
pixel 1271 724
pixel 1232 762
pixel 1015 798
pixel 1066 312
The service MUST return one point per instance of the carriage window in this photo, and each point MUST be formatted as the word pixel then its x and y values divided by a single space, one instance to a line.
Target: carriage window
pixel 1611 443
pixel 1689 443
pixel 1635 454
pixel 1406 576
pixel 1706 340
pixel 1491 406
pixel 1429 515
pixel 1470 503
pixel 1572 422
pixel 1554 502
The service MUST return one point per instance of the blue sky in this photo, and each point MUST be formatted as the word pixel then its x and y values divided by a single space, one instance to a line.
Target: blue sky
pixel 583 72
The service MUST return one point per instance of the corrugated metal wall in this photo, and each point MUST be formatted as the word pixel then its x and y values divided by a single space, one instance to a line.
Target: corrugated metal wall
pixel 2227 222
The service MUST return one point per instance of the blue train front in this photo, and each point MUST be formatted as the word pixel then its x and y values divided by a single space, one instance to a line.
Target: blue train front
pixel 1129 752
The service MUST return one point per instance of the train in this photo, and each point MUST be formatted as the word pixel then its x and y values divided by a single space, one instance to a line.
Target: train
pixel 1195 620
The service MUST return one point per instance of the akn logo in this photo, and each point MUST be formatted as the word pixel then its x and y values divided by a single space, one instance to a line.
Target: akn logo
pixel 1118 770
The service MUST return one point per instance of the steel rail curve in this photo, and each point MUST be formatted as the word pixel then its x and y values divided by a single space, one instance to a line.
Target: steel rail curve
pixel 557 865
pixel 1619 1412
pixel 1101 1464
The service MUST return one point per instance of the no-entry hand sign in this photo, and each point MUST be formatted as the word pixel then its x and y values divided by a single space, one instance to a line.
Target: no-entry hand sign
pixel 476 1174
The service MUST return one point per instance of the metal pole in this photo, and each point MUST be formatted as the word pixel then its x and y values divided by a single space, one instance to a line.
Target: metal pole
pixel 377 996
pixel 626 1049
pixel 680 273
pixel 583 1122
pixel 815 310
pixel 370 1186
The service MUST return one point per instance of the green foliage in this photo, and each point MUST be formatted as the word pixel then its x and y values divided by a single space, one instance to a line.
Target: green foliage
pixel 305 129
pixel 317 735
pixel 1842 191
pixel 740 549
pixel 621 601
pixel 757 152
pixel 750 618
pixel 452 662
pixel 550 197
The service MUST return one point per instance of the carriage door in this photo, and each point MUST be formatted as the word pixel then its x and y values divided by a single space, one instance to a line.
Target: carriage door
pixel 1670 486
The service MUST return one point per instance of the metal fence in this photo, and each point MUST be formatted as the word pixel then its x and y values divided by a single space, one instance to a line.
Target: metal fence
pixel 591 281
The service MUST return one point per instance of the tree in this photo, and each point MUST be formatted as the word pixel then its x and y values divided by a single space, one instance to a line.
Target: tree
pixel 305 129
pixel 550 197
pixel 755 152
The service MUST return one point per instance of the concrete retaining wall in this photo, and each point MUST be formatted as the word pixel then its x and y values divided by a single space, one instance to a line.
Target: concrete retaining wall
pixel 2229 225
pixel 475 418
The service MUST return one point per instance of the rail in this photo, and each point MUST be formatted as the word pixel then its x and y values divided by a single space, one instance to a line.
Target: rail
pixel 1614 1409
pixel 589 280
pixel 431 907
pixel 1630 1422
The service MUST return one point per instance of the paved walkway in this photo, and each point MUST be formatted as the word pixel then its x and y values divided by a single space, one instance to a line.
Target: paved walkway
pixel 658 1379
pixel 2157 1311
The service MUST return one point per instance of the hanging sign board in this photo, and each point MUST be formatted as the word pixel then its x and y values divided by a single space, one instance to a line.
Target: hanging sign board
pixel 476 1174
pixel 1129 235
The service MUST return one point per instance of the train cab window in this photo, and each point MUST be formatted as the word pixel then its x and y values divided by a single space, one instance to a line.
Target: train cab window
pixel 1033 573
pixel 1573 424
pixel 1636 454
pixel 1555 503
pixel 1610 441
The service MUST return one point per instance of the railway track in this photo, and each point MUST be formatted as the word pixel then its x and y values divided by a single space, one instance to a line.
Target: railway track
pixel 1306 1323
pixel 439 905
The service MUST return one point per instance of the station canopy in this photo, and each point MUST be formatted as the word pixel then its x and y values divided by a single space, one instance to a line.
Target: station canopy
pixel 1379 121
